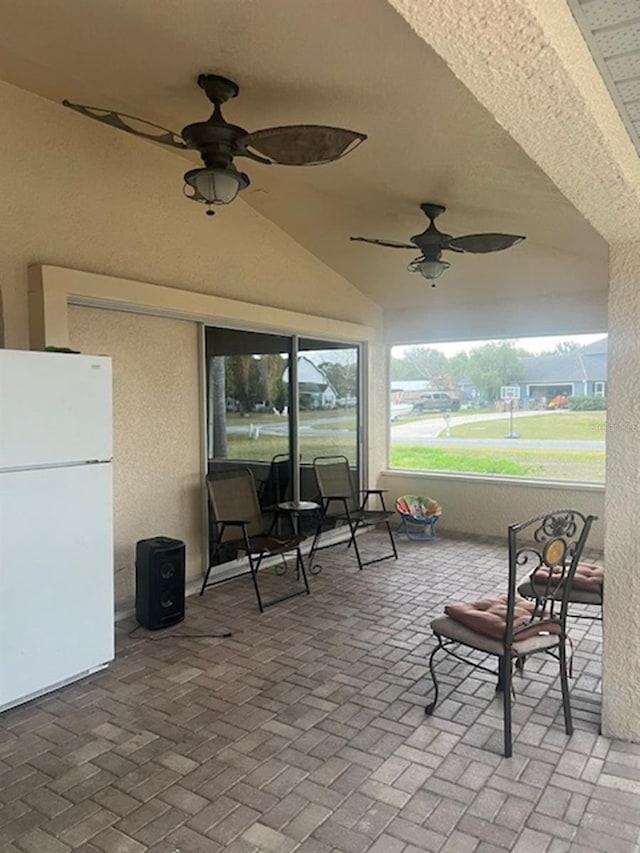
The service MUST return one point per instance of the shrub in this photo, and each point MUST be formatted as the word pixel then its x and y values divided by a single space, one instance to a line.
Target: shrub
pixel 587 404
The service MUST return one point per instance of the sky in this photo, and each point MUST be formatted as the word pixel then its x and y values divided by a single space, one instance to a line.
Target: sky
pixel 533 345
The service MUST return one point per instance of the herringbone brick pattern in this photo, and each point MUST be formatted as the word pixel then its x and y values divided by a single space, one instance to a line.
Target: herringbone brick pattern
pixel 305 731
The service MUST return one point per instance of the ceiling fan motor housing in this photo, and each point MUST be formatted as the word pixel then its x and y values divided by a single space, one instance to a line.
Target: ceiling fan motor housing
pixel 215 142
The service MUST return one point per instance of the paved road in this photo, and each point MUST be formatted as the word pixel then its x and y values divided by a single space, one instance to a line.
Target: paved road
pixel 433 427
pixel 431 432
pixel 498 443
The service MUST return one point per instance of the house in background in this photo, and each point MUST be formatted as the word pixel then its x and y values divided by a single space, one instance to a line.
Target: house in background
pixel 407 391
pixel 581 372
pixel 314 387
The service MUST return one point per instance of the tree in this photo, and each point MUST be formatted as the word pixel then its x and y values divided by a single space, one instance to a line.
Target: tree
pixel 421 363
pixel 239 384
pixel 343 378
pixel 566 346
pixel 493 365
pixel 270 368
pixel 459 367
pixel 218 407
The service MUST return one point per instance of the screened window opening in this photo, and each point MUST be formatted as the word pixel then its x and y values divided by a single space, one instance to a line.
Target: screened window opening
pixel 531 408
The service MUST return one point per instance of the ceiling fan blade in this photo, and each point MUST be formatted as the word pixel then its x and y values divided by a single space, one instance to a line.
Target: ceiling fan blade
pixel 128 123
pixel 483 243
pixel 300 144
pixel 392 244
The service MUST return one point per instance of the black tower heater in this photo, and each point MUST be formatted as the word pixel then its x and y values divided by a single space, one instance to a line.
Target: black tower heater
pixel 159 582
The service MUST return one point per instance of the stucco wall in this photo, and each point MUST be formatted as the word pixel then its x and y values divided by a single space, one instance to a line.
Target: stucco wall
pixel 527 316
pixel 621 649
pixel 478 506
pixel 156 428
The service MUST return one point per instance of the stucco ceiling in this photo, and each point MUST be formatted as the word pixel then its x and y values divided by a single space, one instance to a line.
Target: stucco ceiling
pixel 350 63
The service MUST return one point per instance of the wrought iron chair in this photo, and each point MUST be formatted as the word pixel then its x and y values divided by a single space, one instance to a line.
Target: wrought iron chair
pixel 238 522
pixel 341 502
pixel 510 627
pixel 587 588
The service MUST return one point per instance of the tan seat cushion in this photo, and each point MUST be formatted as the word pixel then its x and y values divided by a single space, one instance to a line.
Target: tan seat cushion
pixel 488 616
pixel 588 577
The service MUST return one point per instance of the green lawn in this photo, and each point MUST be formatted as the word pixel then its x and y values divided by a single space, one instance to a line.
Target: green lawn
pixel 537 464
pixel 511 461
pixel 259 418
pixel 417 458
pixel 566 426
pixel 266 446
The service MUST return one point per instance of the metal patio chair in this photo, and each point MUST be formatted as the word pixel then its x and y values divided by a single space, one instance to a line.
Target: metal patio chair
pixel 587 588
pixel 513 628
pixel 341 502
pixel 238 523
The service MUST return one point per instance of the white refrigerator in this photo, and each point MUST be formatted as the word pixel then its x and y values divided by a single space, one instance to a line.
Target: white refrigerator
pixel 56 521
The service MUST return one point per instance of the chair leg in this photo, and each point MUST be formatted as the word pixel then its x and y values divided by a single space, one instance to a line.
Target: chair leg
pixel 301 570
pixel 353 527
pixel 254 577
pixel 354 541
pixel 206 578
pixel 355 546
pixel 506 670
pixel 316 536
pixel 430 708
pixel 500 681
pixel 393 543
pixel 564 682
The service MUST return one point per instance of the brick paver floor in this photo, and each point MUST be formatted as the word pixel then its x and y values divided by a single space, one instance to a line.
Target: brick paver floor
pixel 305 731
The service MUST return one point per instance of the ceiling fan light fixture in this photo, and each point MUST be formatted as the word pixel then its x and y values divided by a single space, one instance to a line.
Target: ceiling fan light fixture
pixel 433 269
pixel 430 269
pixel 214 185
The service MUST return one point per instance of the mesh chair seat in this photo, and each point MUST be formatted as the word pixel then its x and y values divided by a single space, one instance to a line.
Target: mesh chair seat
pixel 340 501
pixel 238 521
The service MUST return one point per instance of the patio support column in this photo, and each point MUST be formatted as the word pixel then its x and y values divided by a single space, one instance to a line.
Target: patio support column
pixel 621 648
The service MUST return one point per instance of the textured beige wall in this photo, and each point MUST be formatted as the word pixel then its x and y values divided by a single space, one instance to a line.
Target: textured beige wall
pixel 81 195
pixel 555 314
pixel 156 451
pixel 621 652
pixel 483 507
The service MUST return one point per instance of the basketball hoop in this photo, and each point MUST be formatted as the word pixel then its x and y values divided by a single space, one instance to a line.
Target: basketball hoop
pixel 509 394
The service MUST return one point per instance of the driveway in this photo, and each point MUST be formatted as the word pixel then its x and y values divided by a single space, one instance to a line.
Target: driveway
pixel 433 431
pixel 433 427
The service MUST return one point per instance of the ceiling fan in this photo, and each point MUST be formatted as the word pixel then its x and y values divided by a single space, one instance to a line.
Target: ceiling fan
pixel 218 142
pixel 432 243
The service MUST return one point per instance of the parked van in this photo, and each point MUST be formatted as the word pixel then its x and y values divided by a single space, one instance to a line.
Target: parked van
pixel 435 401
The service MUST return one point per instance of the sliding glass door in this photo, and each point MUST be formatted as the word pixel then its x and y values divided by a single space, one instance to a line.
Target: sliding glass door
pixel 274 403
pixel 328 407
